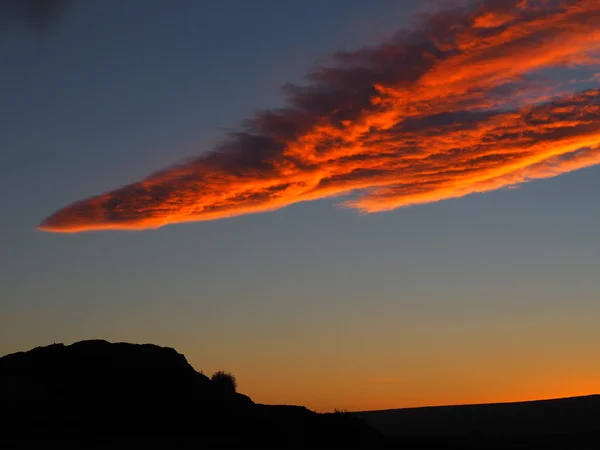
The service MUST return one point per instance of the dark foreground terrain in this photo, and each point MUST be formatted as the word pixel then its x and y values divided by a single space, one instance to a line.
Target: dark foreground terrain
pixel 568 423
pixel 98 395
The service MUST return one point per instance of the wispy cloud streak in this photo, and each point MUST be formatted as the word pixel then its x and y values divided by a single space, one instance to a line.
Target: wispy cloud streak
pixel 456 106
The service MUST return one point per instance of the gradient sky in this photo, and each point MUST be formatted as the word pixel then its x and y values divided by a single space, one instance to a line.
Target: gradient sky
pixel 489 297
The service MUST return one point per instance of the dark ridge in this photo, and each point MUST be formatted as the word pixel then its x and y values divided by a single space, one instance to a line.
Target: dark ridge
pixel 101 395
pixel 564 423
pixel 96 394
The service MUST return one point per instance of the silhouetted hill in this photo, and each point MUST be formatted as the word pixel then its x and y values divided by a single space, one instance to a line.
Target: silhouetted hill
pixel 95 394
pixel 569 423
pixel 100 395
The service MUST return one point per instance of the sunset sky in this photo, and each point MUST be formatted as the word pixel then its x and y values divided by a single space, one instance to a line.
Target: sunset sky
pixel 355 204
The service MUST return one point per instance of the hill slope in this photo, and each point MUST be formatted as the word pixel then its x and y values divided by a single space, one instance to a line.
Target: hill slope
pixel 567 423
pixel 101 395
pixel 96 394
pixel 558 416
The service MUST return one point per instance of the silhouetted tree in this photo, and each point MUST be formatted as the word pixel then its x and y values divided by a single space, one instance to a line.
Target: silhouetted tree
pixel 225 381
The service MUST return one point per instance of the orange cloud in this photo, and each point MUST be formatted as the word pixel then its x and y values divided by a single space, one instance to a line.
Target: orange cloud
pixel 454 107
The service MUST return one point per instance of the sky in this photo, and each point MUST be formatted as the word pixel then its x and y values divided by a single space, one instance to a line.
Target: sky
pixel 426 235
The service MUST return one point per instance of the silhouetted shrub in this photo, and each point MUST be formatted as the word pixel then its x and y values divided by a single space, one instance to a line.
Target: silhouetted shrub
pixel 224 381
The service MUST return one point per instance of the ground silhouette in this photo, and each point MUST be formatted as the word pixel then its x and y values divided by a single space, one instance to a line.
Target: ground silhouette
pixel 96 394
pixel 101 395
pixel 565 423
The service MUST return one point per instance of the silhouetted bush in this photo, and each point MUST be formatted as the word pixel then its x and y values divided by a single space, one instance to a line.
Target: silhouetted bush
pixel 224 381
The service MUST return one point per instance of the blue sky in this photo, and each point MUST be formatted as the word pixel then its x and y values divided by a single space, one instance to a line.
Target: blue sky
pixel 118 90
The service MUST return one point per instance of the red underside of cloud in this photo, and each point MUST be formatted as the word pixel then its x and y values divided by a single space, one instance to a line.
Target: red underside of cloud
pixel 457 106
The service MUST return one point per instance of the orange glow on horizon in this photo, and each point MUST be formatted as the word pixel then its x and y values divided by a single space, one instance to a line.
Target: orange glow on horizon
pixel 374 362
pixel 364 396
pixel 447 110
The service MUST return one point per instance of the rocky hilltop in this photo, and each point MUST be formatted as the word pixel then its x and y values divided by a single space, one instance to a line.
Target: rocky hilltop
pixel 96 394
pixel 101 395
